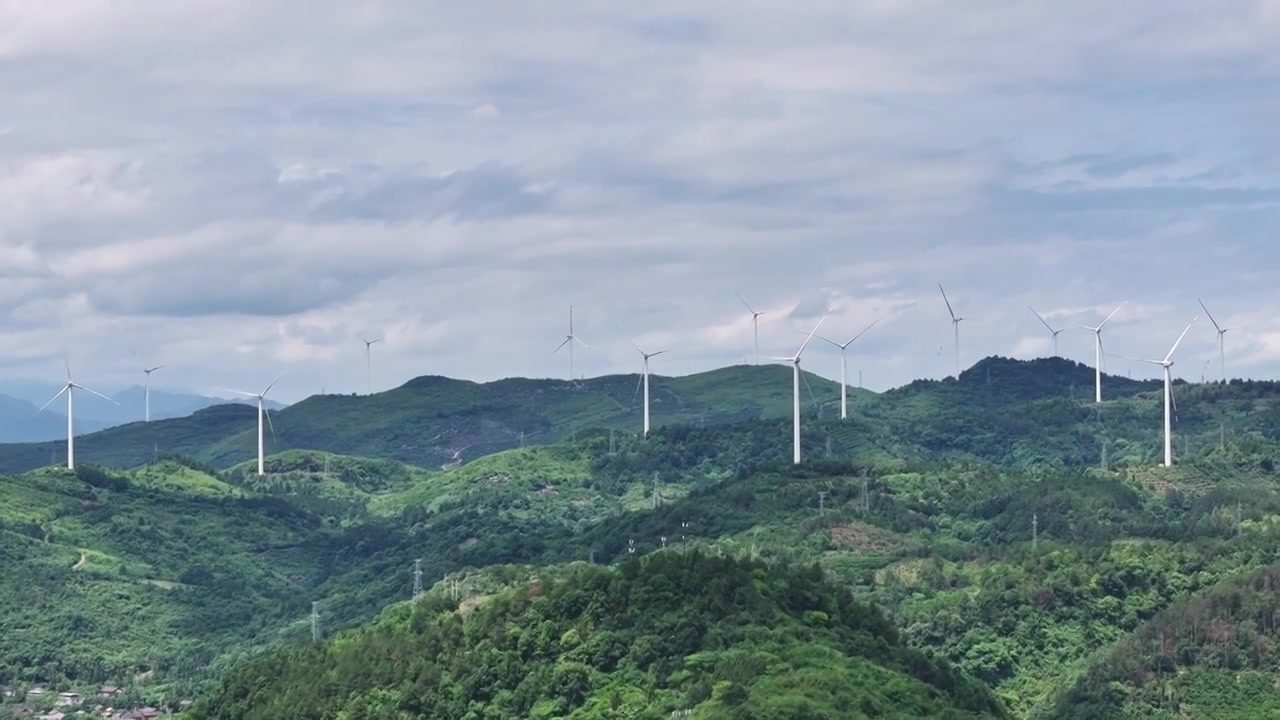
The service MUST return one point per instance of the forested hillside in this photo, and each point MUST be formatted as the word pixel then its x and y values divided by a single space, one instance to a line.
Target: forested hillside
pixel 1004 528
pixel 674 633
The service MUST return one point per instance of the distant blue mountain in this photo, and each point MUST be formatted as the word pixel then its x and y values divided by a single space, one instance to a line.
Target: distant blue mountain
pixel 20 421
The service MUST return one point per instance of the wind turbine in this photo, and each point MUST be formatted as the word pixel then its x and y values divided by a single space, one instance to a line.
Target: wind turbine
pixel 1046 324
pixel 844 387
pixel 646 357
pixel 147 392
pixel 1222 353
pixel 1097 352
pixel 368 358
pixel 755 327
pixel 70 389
pixel 262 410
pixel 1167 363
pixel 795 389
pixel 955 325
pixel 569 340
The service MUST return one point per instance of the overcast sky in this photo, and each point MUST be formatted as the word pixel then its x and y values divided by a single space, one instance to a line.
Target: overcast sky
pixel 238 188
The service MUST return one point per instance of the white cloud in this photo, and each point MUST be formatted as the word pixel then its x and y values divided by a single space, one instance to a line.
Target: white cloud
pixel 241 188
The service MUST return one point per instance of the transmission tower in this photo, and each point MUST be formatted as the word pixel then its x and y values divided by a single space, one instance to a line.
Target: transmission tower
pixel 1035 531
pixel 315 621
pixel 417 579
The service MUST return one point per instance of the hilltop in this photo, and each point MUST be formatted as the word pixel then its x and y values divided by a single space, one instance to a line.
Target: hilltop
pixel 1014 412
pixel 672 633
pixel 433 421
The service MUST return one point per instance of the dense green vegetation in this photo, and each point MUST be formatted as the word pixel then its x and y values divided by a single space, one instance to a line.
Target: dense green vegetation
pixel 1005 529
pixel 673 632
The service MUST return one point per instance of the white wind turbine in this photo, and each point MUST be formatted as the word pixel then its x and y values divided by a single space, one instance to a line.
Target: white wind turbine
pixel 569 340
pixel 755 327
pixel 262 411
pixel 955 326
pixel 70 389
pixel 795 389
pixel 844 386
pixel 368 358
pixel 646 357
pixel 1222 352
pixel 146 393
pixel 1050 327
pixel 1097 351
pixel 1167 363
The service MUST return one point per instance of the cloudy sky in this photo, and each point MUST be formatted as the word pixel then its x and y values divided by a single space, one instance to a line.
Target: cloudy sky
pixel 239 188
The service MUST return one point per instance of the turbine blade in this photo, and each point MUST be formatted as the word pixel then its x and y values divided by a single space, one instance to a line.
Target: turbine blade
pixel 154 369
pixel 657 353
pixel 823 339
pixel 637 347
pixel 55 397
pixel 267 412
pixel 636 393
pixel 566 342
pixel 813 400
pixel 1206 312
pixel 1042 320
pixel 948 302
pixel 1086 327
pixel 1179 340
pixel 811 334
pixel 864 331
pixel 1134 359
pixel 273 382
pixel 237 392
pixel 1113 314
pixel 744 302
pixel 782 359
pixel 95 392
pixel 577 340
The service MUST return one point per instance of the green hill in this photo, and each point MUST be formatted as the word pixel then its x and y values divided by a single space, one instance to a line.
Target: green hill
pixel 1215 654
pixel 674 632
pixel 922 501
pixel 168 570
pixel 432 421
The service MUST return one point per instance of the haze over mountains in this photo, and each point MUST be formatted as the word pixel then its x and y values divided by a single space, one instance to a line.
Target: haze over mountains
pixel 22 421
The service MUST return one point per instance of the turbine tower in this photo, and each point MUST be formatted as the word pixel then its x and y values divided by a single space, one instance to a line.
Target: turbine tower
pixel 755 327
pixel 1097 352
pixel 646 357
pixel 795 390
pixel 1222 353
pixel 955 326
pixel 844 386
pixel 262 411
pixel 569 340
pixel 1167 363
pixel 70 389
pixel 147 392
pixel 368 358
pixel 1047 325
